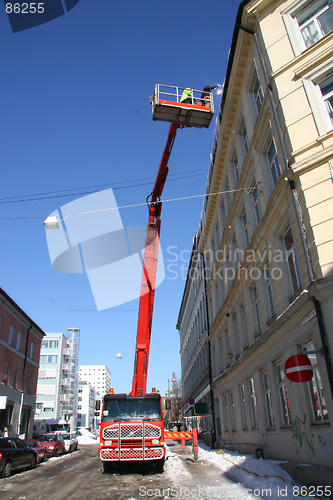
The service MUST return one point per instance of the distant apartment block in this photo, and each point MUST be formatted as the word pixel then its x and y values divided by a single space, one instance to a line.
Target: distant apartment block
pixel 57 390
pixel 98 376
pixel 20 343
pixel 86 405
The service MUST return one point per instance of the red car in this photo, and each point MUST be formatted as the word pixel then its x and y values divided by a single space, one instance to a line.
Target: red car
pixel 37 445
pixel 54 444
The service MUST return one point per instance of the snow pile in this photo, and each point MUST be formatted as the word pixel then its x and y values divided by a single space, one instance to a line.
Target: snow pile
pixel 86 440
pixel 263 478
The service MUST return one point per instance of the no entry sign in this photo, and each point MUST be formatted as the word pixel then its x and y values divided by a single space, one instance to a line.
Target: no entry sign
pixel 298 368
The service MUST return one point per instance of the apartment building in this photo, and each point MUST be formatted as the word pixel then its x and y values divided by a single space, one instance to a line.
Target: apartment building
pixel 86 405
pixel 267 237
pixel 99 377
pixel 20 341
pixel 58 379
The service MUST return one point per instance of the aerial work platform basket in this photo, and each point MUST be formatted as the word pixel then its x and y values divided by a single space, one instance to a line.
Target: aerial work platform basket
pixel 194 108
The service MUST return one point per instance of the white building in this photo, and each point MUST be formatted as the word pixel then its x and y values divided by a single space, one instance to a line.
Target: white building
pixel 50 376
pixel 86 405
pixel 57 387
pixel 98 376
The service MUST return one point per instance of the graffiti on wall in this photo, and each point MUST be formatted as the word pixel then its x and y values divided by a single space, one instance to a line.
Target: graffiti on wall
pixel 299 433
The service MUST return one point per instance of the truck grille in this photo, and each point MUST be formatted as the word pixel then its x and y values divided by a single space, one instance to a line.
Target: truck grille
pixel 132 431
pixel 107 454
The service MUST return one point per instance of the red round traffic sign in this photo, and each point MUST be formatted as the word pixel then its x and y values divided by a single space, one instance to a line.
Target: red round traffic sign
pixel 298 368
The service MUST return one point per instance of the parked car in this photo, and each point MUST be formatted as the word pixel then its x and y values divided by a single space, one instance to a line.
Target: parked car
pixel 39 447
pixel 70 441
pixel 15 454
pixel 54 444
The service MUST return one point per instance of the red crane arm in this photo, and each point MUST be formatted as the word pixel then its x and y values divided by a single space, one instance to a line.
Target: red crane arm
pixel 147 293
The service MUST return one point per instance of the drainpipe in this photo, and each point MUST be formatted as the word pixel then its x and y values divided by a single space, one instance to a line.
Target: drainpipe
pixel 209 351
pixel 23 377
pixel 298 211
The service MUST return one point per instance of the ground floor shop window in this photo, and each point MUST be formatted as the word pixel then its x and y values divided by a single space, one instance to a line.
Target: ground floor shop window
pixel 316 387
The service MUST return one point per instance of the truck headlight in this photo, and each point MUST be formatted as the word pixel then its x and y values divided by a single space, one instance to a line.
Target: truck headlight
pixel 155 441
pixel 108 443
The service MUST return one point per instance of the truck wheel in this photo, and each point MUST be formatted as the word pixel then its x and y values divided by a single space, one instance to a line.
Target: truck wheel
pixel 7 470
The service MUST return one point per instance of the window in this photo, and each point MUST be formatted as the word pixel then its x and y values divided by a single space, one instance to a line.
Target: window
pixel 243 136
pixel 316 387
pixel 315 21
pixel 256 311
pixel 18 341
pixel 29 384
pixel 53 358
pixel 14 378
pixel 269 290
pixel 268 400
pixel 273 162
pixel 246 229
pixel 256 205
pixel 43 359
pixel 0 321
pixel 283 394
pixel 243 401
pixel 291 260
pixel 254 411
pixel 326 90
pixel 45 344
pixel 11 335
pixel 53 344
pixel 233 411
pixel 242 314
pixel 6 374
pixel 256 90
pixel 32 345
pixel 235 165
pixel 235 335
pixel 225 411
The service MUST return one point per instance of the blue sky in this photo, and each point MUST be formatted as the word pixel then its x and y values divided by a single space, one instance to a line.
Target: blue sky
pixel 75 118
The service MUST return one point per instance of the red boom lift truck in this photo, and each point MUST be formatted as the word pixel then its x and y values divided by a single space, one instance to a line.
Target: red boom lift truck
pixel 131 427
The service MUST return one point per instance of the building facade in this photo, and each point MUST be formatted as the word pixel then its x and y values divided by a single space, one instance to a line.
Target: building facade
pixel 99 377
pixel 86 405
pixel 20 341
pixel 58 379
pixel 50 377
pixel 267 234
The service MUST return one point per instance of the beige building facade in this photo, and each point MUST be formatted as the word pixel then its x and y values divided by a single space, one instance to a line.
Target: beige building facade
pixel 267 237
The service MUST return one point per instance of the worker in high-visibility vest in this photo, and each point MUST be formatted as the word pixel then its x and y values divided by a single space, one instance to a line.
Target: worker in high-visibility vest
pixel 186 96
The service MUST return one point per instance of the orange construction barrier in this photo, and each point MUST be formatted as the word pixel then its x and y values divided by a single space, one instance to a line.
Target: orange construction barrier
pixel 182 435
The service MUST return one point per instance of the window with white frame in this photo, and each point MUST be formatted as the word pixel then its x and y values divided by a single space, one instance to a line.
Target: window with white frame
pixel 268 400
pixel 253 399
pixel 319 90
pixel 307 22
pixel 273 162
pixel 243 404
pixel 11 335
pixel 291 260
pixel 246 229
pixel 225 412
pixel 256 205
pixel 256 308
pixel 256 90
pixel 326 89
pixel 233 411
pixel 235 166
pixel 244 139
pixel 316 387
pixel 283 394
pixel 269 290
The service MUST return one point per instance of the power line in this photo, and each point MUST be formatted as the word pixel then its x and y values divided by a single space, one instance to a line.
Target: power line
pixel 247 190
